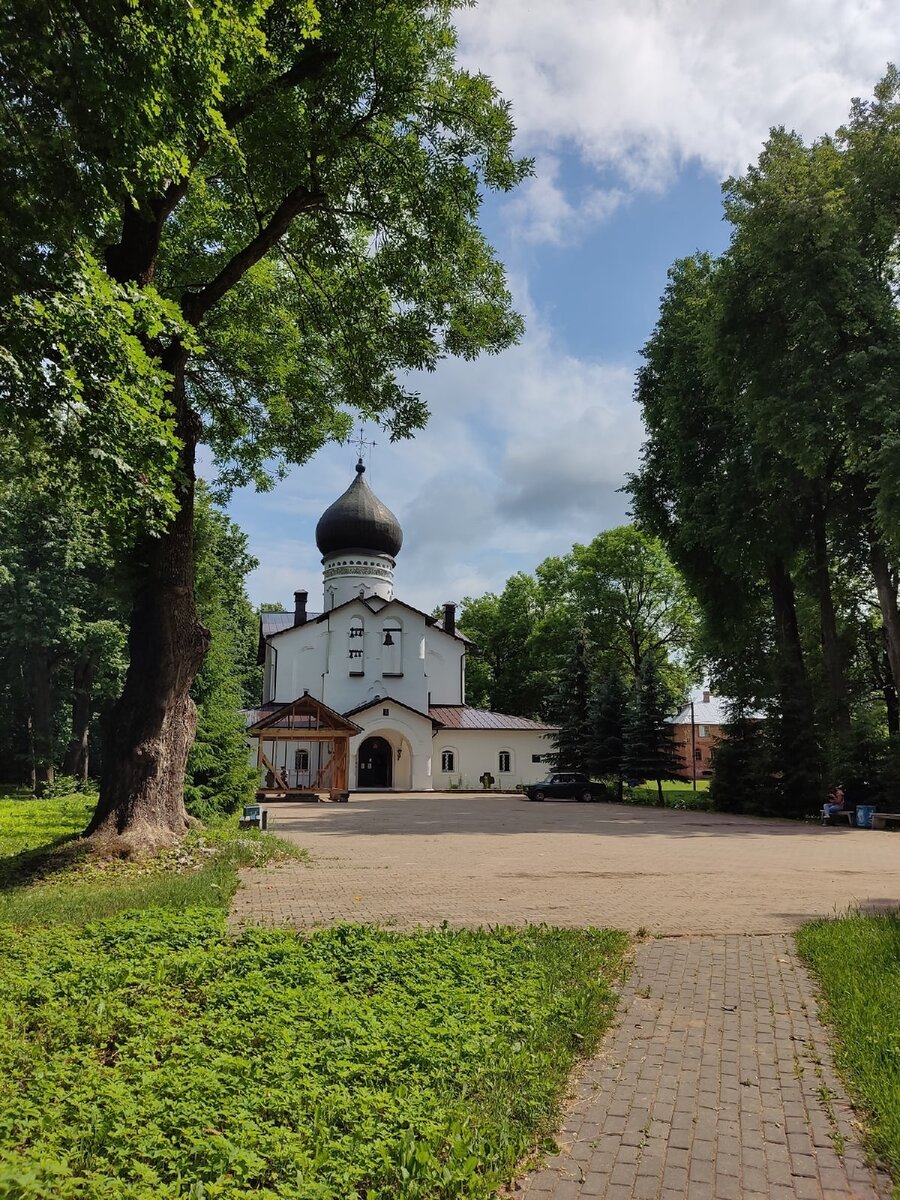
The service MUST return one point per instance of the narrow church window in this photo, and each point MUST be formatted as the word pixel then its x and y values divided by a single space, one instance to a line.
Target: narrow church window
pixel 385 712
pixel 504 763
pixel 448 760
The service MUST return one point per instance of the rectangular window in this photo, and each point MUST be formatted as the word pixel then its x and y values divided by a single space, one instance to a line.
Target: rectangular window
pixel 698 754
pixel 504 764
pixel 301 760
pixel 704 731
pixel 448 760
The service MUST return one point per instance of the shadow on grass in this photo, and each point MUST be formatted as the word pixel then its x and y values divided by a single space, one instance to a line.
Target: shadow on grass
pixel 40 864
pixel 70 880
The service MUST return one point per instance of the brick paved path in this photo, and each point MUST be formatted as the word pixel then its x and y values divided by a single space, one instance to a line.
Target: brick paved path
pixel 716 1084
pixel 403 861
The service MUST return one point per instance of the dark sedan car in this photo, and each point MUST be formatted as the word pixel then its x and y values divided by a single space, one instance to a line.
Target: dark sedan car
pixel 565 785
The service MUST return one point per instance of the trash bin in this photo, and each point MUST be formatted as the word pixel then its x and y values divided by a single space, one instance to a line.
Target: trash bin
pixel 864 815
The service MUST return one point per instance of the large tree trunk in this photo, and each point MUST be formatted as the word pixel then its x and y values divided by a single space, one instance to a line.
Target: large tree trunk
pixel 784 611
pixel 832 649
pixel 875 642
pixel 886 587
pixel 151 727
pixel 75 761
pixel 797 751
pixel 40 719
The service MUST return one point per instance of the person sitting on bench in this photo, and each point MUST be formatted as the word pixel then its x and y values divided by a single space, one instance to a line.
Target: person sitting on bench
pixel 835 802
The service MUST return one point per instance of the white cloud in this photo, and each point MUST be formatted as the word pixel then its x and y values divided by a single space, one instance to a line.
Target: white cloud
pixel 523 456
pixel 525 452
pixel 541 212
pixel 637 87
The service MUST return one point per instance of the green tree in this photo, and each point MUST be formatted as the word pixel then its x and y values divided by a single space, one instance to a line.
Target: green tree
pixel 61 618
pixel 219 775
pixel 511 670
pixel 623 590
pixel 570 712
pixel 609 711
pixel 649 737
pixel 234 226
pixel 725 512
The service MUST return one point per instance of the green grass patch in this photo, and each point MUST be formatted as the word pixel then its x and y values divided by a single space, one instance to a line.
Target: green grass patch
pixel 26 823
pixel 48 878
pixel 149 1057
pixel 856 960
pixel 148 1054
pixel 676 794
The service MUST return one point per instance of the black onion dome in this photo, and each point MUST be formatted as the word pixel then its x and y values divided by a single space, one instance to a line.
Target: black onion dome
pixel 359 521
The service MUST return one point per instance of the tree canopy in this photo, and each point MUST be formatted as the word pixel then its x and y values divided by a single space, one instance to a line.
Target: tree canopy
pixel 620 594
pixel 231 225
pixel 769 391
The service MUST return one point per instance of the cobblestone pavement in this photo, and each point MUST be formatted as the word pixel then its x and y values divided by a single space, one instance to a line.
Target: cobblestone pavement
pixel 716 1083
pixel 402 861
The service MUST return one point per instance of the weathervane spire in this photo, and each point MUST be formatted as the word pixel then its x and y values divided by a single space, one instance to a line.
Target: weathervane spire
pixel 361 442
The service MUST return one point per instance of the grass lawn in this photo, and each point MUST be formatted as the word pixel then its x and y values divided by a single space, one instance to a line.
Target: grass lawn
pixel 151 1054
pixel 676 794
pixel 856 960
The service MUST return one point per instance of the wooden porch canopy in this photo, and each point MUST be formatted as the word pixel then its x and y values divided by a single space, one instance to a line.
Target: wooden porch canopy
pixel 306 720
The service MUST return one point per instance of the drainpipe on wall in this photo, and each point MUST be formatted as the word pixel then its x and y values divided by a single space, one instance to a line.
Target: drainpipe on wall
pixel 693 747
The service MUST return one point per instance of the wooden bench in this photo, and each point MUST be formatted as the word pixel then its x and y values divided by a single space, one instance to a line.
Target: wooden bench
pixel 880 820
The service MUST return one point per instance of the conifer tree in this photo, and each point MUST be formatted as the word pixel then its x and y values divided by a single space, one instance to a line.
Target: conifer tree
pixel 571 712
pixel 609 711
pixel 650 742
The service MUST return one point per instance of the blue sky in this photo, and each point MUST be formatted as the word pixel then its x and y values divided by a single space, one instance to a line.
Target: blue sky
pixel 634 111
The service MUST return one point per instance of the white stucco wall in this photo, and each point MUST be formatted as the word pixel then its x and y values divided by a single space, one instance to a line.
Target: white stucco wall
pixel 443 656
pixel 478 750
pixel 347 573
pixel 423 661
pixel 295 662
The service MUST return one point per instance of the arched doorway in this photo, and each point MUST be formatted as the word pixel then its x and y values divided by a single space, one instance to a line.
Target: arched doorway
pixel 375 763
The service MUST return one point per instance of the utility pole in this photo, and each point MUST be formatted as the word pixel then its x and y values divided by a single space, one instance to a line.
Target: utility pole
pixel 693 747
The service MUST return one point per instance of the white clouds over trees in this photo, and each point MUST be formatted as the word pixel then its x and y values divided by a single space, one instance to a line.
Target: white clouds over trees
pixel 637 87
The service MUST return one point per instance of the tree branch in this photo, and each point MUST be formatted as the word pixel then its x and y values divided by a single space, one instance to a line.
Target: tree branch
pixel 311 61
pixel 195 305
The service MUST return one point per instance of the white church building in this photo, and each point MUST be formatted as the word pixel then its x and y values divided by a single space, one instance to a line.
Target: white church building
pixel 371 692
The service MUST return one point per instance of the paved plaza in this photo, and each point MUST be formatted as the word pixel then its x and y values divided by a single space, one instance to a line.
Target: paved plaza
pixel 403 861
pixel 716 1082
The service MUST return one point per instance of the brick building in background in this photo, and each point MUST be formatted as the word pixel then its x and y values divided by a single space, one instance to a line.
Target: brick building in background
pixel 695 746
